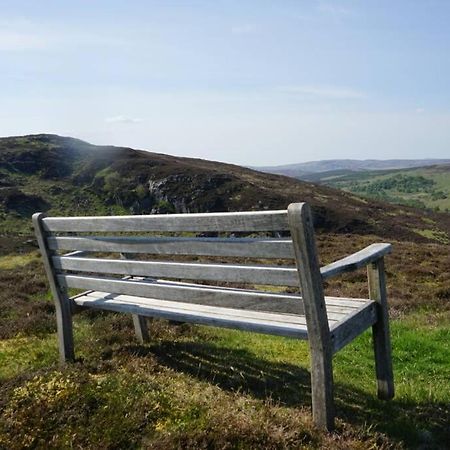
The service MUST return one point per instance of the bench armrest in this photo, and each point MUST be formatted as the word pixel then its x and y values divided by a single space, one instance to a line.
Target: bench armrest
pixel 356 260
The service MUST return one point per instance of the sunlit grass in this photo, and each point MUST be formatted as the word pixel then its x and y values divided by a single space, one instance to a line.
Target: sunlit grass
pixel 178 379
pixel 9 262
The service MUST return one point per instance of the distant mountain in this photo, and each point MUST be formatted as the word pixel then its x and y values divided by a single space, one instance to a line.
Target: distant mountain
pixel 66 176
pixel 301 169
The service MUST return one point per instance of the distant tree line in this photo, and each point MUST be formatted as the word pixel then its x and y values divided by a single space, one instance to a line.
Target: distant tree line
pixel 390 189
pixel 408 184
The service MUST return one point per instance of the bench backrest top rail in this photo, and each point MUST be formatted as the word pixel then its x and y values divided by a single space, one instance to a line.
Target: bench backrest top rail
pixel 252 221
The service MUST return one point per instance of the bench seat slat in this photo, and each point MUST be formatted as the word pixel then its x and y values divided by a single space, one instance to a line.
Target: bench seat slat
pixel 283 317
pixel 265 275
pixel 207 222
pixel 264 322
pixel 216 316
pixel 236 247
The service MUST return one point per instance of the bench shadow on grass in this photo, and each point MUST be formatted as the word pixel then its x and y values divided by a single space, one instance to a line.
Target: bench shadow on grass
pixel 289 385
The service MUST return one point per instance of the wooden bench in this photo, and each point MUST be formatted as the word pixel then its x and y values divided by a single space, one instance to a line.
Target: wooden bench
pixel 165 288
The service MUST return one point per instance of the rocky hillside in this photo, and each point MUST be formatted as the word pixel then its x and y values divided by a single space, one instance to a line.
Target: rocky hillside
pixel 67 176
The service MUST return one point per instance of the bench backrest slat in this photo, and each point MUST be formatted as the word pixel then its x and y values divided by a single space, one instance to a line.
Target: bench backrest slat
pixel 183 292
pixel 235 247
pixel 255 274
pixel 208 222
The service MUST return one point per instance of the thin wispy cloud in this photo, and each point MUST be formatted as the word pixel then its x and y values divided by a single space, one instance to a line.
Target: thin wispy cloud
pixel 18 35
pixel 11 41
pixel 326 92
pixel 246 28
pixel 334 10
pixel 123 119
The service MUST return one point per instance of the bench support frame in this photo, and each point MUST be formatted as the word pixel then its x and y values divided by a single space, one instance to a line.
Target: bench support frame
pixel 139 322
pixel 380 330
pixel 302 232
pixel 326 336
pixel 62 302
pixel 141 328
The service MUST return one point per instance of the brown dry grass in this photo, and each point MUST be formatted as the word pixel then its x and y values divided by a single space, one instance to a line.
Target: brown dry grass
pixel 418 275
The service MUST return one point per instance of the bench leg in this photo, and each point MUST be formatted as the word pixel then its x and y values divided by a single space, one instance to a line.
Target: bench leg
pixel 65 331
pixel 322 389
pixel 311 283
pixel 141 328
pixel 380 331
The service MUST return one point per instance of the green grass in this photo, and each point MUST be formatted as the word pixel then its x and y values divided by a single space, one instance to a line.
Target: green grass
pixel 421 355
pixel 189 382
pixel 22 354
pixel 8 262
pixel 437 235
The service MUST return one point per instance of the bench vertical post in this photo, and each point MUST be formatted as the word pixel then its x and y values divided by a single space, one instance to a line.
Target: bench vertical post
pixel 302 232
pixel 141 328
pixel 139 322
pixel 62 301
pixel 380 330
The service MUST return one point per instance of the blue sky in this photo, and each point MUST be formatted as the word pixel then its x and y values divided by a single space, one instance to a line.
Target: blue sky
pixel 253 83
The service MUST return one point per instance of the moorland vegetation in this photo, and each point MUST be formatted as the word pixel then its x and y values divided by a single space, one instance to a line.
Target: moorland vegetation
pixel 198 387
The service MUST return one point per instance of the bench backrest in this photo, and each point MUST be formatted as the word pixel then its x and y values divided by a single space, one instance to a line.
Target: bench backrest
pixel 165 259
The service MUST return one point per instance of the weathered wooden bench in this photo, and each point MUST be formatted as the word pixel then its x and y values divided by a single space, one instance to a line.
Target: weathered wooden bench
pixel 155 287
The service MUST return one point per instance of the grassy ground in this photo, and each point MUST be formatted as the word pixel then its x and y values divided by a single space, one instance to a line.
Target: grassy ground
pixel 201 387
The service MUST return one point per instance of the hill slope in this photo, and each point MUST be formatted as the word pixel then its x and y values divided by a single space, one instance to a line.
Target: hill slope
pixel 68 176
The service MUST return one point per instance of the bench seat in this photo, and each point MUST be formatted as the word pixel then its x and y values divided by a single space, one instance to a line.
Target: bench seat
pixel 340 311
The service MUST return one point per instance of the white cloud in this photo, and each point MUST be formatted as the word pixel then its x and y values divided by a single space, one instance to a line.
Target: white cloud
pixel 18 34
pixel 246 28
pixel 327 92
pixel 21 41
pixel 122 119
pixel 420 110
pixel 336 11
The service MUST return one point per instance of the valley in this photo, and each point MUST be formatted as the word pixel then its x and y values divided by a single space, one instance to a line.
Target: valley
pixel 422 187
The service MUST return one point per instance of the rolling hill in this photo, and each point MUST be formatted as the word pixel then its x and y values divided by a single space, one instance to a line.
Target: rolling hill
pixel 63 175
pixel 302 170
